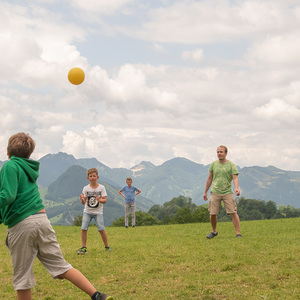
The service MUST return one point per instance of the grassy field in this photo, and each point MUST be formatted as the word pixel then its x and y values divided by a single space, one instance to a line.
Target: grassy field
pixel 176 262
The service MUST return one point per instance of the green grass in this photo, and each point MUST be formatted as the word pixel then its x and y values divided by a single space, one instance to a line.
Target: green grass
pixel 176 262
pixel 56 218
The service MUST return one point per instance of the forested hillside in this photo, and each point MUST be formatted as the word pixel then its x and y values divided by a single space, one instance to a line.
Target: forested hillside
pixel 181 210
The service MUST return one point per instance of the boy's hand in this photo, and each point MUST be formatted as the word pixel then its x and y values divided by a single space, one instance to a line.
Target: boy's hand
pixel 101 199
pixel 83 199
pixel 121 194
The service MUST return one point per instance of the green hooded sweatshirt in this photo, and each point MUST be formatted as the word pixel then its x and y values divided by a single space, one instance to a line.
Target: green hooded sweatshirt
pixel 19 194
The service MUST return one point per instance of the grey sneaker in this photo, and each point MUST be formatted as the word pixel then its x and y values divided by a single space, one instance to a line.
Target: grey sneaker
pixel 100 296
pixel 212 235
pixel 82 251
pixel 239 235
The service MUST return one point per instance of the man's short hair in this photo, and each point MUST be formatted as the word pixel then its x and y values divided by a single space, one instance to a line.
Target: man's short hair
pixel 224 147
pixel 21 145
pixel 92 170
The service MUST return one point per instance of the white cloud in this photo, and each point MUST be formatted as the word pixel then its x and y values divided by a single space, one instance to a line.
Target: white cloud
pixel 102 6
pixel 128 88
pixel 279 109
pixel 159 48
pixel 193 56
pixel 74 143
pixel 211 21
pixel 277 50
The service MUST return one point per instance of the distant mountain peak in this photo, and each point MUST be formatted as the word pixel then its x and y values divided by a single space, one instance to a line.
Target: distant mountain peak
pixel 142 168
pixel 59 155
pixel 143 164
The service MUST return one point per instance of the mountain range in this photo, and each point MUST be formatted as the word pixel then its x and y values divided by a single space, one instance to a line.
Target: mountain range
pixel 62 178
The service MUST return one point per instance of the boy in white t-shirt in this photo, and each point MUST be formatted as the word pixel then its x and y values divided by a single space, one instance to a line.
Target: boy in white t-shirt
pixel 93 197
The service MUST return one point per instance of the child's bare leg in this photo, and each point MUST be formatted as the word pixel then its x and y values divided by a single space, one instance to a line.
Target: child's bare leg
pixel 78 279
pixel 104 237
pixel 83 237
pixel 24 294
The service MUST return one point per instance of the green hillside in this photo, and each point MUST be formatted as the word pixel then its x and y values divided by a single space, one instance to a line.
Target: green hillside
pixel 271 183
pixel 175 177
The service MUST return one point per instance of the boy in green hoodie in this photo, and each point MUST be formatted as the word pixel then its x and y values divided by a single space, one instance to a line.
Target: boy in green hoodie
pixel 29 233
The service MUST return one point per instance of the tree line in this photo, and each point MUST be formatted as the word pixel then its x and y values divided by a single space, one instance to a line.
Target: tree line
pixel 181 210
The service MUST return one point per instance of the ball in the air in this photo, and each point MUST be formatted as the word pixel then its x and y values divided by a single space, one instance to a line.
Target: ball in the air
pixel 76 76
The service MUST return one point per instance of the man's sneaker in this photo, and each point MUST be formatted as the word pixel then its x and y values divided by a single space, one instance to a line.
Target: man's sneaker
pixel 212 235
pixel 100 296
pixel 107 249
pixel 239 235
pixel 133 226
pixel 126 226
pixel 82 251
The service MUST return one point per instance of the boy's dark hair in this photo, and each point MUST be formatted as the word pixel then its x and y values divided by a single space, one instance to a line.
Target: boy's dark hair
pixel 92 170
pixel 21 145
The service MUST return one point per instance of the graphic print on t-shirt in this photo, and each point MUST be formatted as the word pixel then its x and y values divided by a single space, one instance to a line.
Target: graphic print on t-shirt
pixel 91 199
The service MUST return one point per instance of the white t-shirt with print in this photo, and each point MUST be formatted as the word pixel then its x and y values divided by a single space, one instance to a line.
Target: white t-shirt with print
pixel 92 206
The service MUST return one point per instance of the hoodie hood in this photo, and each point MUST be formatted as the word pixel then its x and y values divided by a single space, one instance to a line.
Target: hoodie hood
pixel 19 194
pixel 30 167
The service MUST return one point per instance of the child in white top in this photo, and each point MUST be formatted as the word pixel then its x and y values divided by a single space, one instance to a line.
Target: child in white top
pixel 93 197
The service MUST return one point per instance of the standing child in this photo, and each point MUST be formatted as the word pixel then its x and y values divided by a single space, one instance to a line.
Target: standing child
pixel 129 192
pixel 93 197
pixel 29 233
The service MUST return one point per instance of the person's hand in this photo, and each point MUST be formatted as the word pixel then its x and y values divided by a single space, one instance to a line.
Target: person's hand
pixel 237 192
pixel 205 197
pixel 83 199
pixel 98 198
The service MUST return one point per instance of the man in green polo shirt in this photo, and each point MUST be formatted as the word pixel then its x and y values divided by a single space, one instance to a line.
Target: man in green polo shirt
pixel 221 174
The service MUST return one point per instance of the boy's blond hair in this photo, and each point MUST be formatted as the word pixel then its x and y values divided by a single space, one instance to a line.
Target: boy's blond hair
pixel 92 170
pixel 21 145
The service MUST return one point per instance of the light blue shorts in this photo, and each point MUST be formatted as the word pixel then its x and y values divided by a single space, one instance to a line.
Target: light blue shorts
pixel 87 218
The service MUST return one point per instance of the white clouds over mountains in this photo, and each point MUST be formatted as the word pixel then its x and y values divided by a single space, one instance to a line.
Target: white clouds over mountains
pixel 163 79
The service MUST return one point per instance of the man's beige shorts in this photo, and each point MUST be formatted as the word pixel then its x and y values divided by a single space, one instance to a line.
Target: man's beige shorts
pixel 34 237
pixel 215 203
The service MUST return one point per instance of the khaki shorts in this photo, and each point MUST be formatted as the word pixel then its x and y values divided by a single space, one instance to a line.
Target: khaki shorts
pixel 215 203
pixel 34 237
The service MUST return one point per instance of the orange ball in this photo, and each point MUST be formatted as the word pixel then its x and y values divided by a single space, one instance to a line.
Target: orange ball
pixel 76 76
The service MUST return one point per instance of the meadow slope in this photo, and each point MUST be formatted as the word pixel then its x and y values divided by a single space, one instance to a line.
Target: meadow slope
pixel 176 262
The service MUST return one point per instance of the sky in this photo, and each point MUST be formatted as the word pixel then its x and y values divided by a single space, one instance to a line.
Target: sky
pixel 163 79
